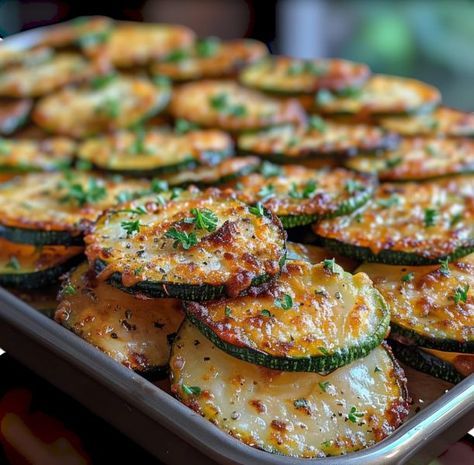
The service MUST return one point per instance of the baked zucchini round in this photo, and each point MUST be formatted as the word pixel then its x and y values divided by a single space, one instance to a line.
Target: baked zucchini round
pixel 407 224
pixel 136 333
pixel 10 57
pixel 14 113
pixel 115 103
pixel 313 318
pixel 443 121
pixel 294 76
pixel 228 106
pixel 193 245
pixel 418 159
pixel 290 144
pixel 382 95
pixel 30 267
pixel 150 153
pixel 294 414
pixel 27 155
pixel 45 77
pixel 300 195
pixel 431 306
pixel 56 208
pixel 210 58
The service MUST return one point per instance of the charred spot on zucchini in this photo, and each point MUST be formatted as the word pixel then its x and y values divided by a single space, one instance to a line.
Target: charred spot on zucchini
pixel 429 307
pixel 195 246
pixel 291 327
pixel 133 332
pixel 417 229
pixel 293 414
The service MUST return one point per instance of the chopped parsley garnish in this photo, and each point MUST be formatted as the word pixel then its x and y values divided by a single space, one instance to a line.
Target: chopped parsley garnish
pixel 91 39
pixel 13 263
pixel 286 303
pixel 77 193
pixel 323 97
pixel 203 218
pixel 207 47
pixel 84 165
pixel 392 201
pixel 352 186
pixel 220 102
pixel 330 264
pixel 431 215
pixel 228 311
pixel 301 403
pixel 460 294
pixel 266 192
pixel 176 56
pixel 191 390
pixel 257 209
pixel 124 196
pixel 269 170
pixel 324 385
pixel 317 123
pixel 310 67
pixel 181 238
pixel 393 162
pixel 161 81
pixel 323 350
pixel 406 278
pixel 110 108
pixel 444 268
pixel 175 193
pixel 99 82
pixel 354 415
pixel 183 126
pixel 69 289
pixel 266 313
pixel 456 219
pixel 349 92
pixel 140 210
pixel 306 193
pixel 138 146
pixel 130 227
pixel 158 186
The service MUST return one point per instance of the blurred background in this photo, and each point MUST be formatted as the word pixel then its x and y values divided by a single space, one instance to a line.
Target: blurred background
pixel 432 40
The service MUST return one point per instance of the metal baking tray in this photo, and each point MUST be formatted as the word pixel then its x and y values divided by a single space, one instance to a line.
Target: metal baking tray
pixel 177 435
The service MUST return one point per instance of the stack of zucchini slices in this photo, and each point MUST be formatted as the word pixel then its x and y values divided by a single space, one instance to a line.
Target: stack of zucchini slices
pixel 128 158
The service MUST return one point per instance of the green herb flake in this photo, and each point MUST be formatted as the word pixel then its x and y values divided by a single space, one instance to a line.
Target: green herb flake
pixel 99 82
pixel 324 385
pixel 140 210
pixel 161 81
pixel 406 278
pixel 181 238
pixel 124 196
pixel 444 268
pixel 392 201
pixel 228 311
pixel 69 289
pixel 323 350
pixel 110 108
pixel 350 92
pixel 317 123
pixel 286 303
pixel 158 186
pixel 183 126
pixel 431 216
pixel 324 97
pixel 176 56
pixel 306 193
pixel 460 294
pixel 257 210
pixel 352 186
pixel 354 415
pixel 270 170
pixel 77 193
pixel 220 102
pixel 191 390
pixel 208 47
pixel 266 313
pixel 13 263
pixel 330 264
pixel 266 192
pixel 393 162
pixel 455 219
pixel 131 227
pixel 204 219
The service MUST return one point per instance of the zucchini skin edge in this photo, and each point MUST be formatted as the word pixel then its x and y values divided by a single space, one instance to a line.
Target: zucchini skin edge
pixel 40 236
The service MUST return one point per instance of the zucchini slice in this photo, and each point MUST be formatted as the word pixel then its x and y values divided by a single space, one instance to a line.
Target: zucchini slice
pixel 11 57
pixel 450 366
pixel 45 77
pixel 228 106
pixel 431 306
pixel 418 159
pixel 30 267
pixel 133 43
pixel 293 76
pixel 294 414
pixel 116 103
pixel 14 114
pixel 56 208
pixel 27 155
pixel 136 333
pixel 226 171
pixel 314 254
pixel 313 318
pixel 300 195
pixel 443 121
pixel 382 95
pixel 210 59
pixel 194 245
pixel 151 152
pixel 42 299
pixel 407 224
pixel 290 144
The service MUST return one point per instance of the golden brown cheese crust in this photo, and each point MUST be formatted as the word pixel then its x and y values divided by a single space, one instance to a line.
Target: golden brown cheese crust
pixel 134 44
pixel 383 94
pixel 20 155
pixel 431 220
pixel 228 58
pixel 45 77
pixel 86 111
pixel 419 159
pixel 46 201
pixel 228 106
pixel 288 75
pixel 242 246
pixel 295 414
pixel 21 258
pixel 290 191
pixel 422 298
pixel 443 121
pixel 299 142
pixel 128 150
pixel 134 332
pixel 13 114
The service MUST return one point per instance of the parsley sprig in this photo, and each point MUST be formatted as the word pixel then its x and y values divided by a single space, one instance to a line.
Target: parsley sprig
pixel 221 103
pixel 181 238
pixel 460 294
pixel 306 192
pixel 131 227
pixel 77 193
pixel 354 415
pixel 285 303
pixel 203 218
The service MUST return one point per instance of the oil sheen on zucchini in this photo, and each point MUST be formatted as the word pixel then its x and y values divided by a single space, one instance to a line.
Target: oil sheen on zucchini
pixel 431 306
pixel 135 332
pixel 300 195
pixel 112 103
pixel 450 366
pixel 418 159
pixel 195 246
pixel 293 414
pixel 313 318
pixel 407 224
pixel 293 76
pixel 291 144
pixel 14 114
pixel 381 95
pixel 443 121
pixel 210 58
pixel 30 267
pixel 27 155
pixel 228 106
pixel 56 208
pixel 152 152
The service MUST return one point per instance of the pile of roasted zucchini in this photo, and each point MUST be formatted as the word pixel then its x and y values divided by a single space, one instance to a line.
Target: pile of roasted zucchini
pixel 179 166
